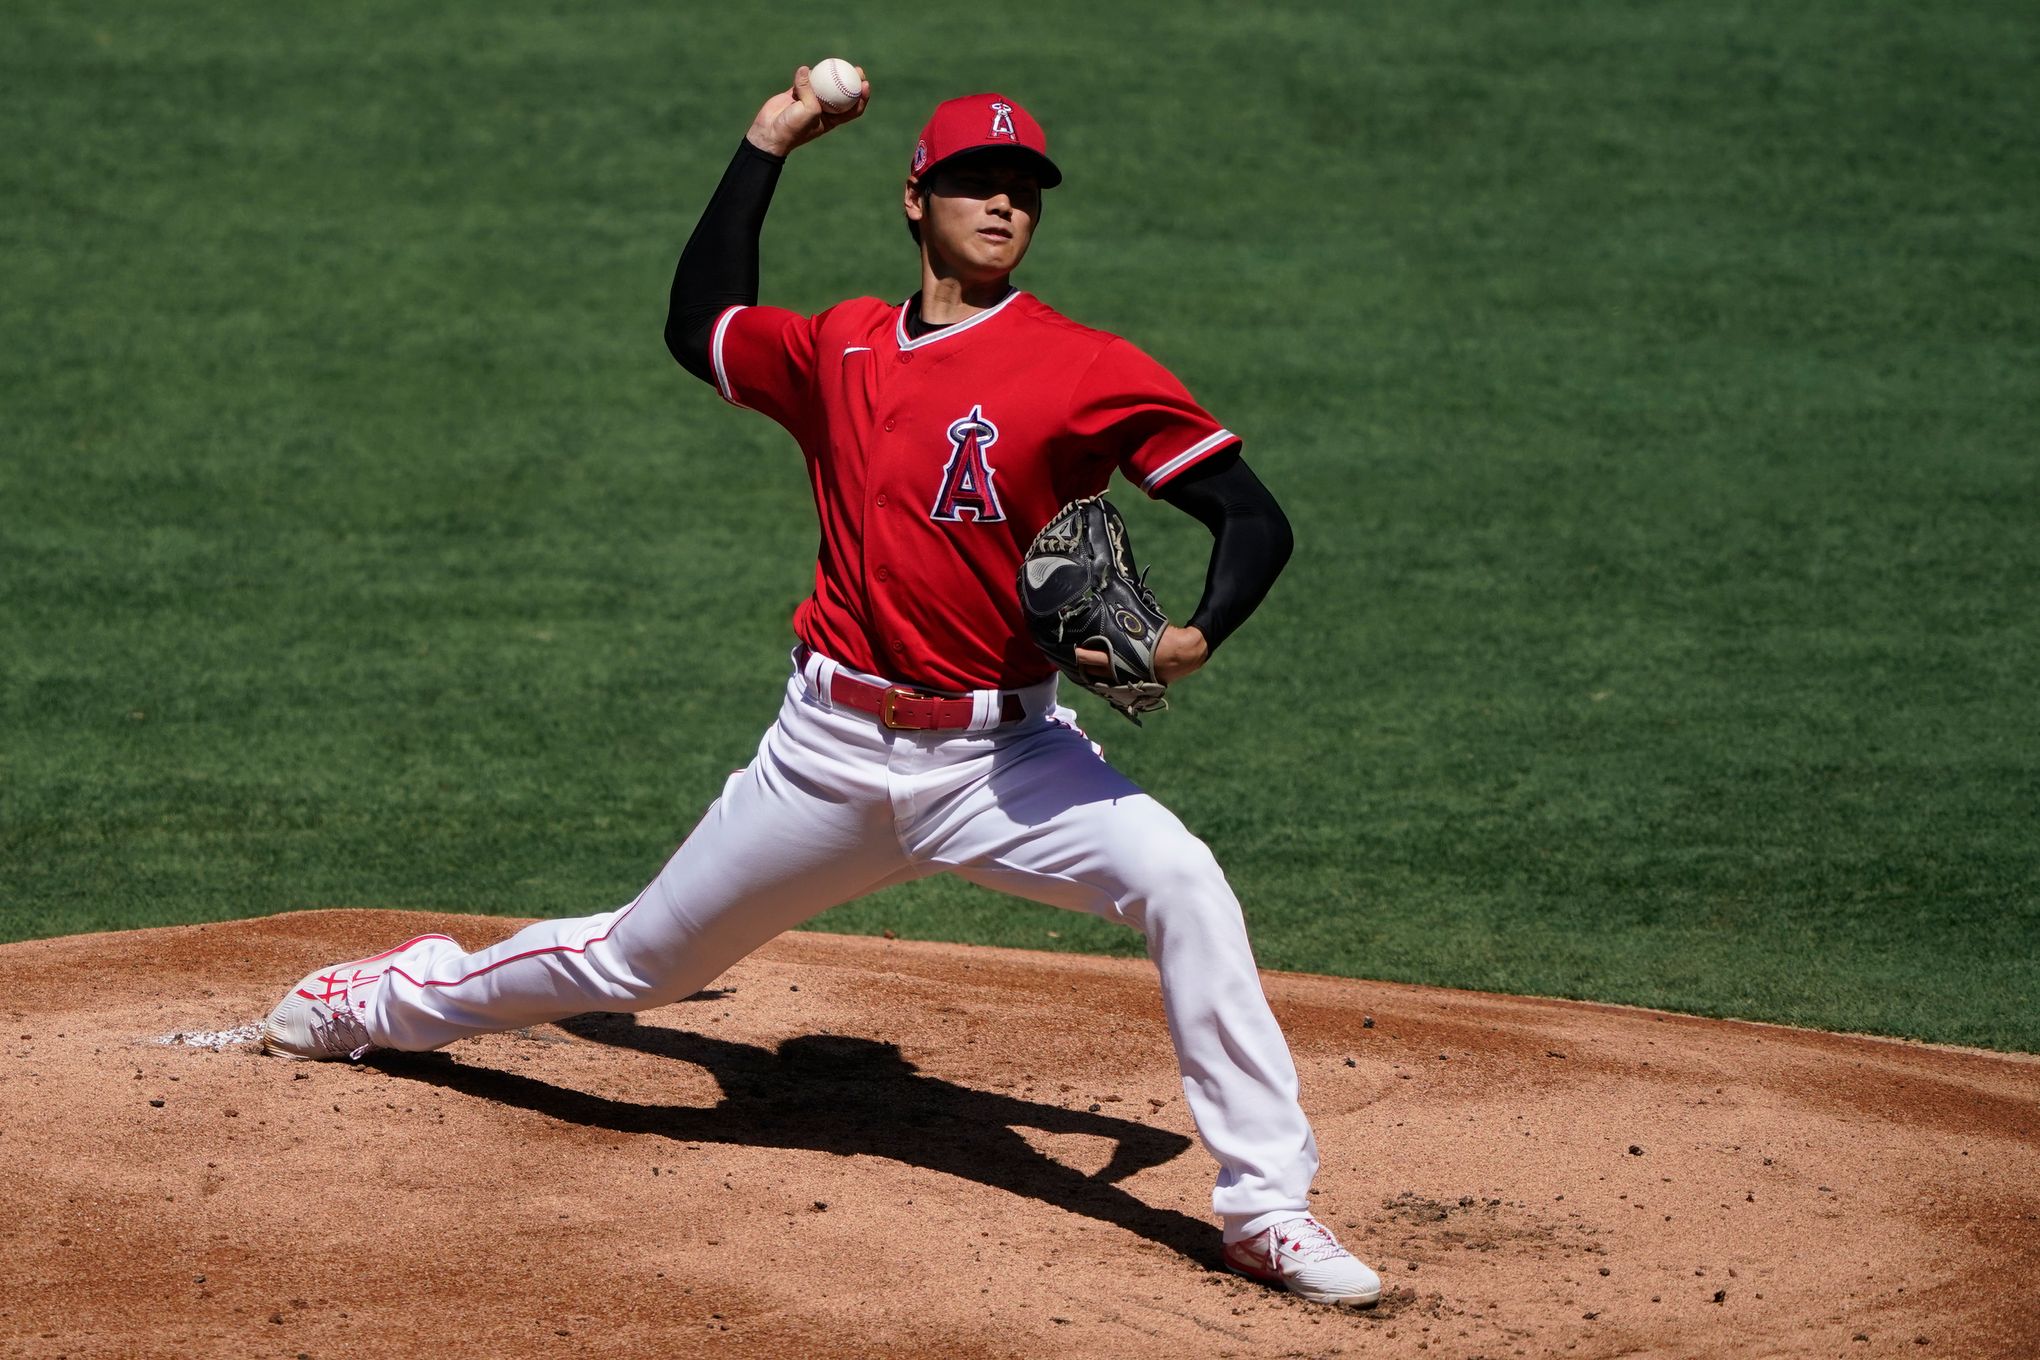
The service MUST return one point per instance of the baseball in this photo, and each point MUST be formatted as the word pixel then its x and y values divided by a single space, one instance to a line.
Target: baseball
pixel 836 83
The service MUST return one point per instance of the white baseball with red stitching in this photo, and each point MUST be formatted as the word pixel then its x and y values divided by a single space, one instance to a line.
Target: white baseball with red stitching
pixel 836 83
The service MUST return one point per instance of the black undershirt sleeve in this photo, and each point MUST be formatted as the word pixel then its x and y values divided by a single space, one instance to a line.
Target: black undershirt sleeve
pixel 1252 540
pixel 719 268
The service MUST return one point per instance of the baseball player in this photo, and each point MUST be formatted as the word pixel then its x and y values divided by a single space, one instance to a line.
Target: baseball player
pixel 920 733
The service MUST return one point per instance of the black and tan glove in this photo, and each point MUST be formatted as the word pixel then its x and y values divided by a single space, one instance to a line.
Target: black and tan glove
pixel 1079 588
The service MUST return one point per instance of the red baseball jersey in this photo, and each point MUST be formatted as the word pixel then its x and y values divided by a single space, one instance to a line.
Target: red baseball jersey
pixel 935 461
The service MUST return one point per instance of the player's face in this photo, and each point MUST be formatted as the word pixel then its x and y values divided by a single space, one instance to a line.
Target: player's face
pixel 978 215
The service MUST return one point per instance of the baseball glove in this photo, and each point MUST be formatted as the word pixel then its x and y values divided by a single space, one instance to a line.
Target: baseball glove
pixel 1079 588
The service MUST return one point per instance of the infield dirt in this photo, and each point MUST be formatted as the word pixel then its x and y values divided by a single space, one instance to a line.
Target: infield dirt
pixel 864 1147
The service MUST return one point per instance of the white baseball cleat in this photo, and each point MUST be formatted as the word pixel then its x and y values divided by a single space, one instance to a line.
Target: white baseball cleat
pixel 318 1019
pixel 1302 1256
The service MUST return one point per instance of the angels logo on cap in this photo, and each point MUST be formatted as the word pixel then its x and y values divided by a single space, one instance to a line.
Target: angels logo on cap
pixel 978 122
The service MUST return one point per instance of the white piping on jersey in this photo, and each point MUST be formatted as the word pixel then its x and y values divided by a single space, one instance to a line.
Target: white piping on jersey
pixel 856 349
pixel 1190 455
pixel 900 323
pixel 722 378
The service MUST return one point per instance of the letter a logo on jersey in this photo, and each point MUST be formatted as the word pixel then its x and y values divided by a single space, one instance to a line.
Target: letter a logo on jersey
pixel 967 479
pixel 1002 121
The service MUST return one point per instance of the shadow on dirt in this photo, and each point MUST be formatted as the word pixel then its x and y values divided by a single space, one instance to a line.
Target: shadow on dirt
pixel 852 1096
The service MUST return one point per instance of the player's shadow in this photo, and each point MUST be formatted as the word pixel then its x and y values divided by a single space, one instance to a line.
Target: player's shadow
pixel 851 1097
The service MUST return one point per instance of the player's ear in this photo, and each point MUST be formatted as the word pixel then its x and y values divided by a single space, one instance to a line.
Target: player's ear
pixel 916 209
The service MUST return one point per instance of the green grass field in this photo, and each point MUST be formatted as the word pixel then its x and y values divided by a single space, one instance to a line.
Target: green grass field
pixel 1652 387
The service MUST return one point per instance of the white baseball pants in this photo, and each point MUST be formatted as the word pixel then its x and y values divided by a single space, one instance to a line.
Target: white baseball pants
pixel 835 806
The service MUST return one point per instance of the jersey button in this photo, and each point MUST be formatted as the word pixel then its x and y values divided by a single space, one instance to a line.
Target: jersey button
pixel 899 647
pixel 905 357
pixel 883 574
pixel 889 425
pixel 881 502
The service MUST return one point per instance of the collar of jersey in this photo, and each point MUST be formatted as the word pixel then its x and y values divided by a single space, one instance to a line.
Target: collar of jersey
pixel 957 328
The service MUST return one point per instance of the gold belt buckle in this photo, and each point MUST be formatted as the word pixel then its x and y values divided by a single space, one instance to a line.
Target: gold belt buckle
pixel 888 714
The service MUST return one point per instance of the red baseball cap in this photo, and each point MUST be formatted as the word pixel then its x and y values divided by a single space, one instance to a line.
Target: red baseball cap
pixel 981 122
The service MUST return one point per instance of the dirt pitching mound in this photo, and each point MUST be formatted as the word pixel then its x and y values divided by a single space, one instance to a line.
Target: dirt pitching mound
pixel 868 1147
